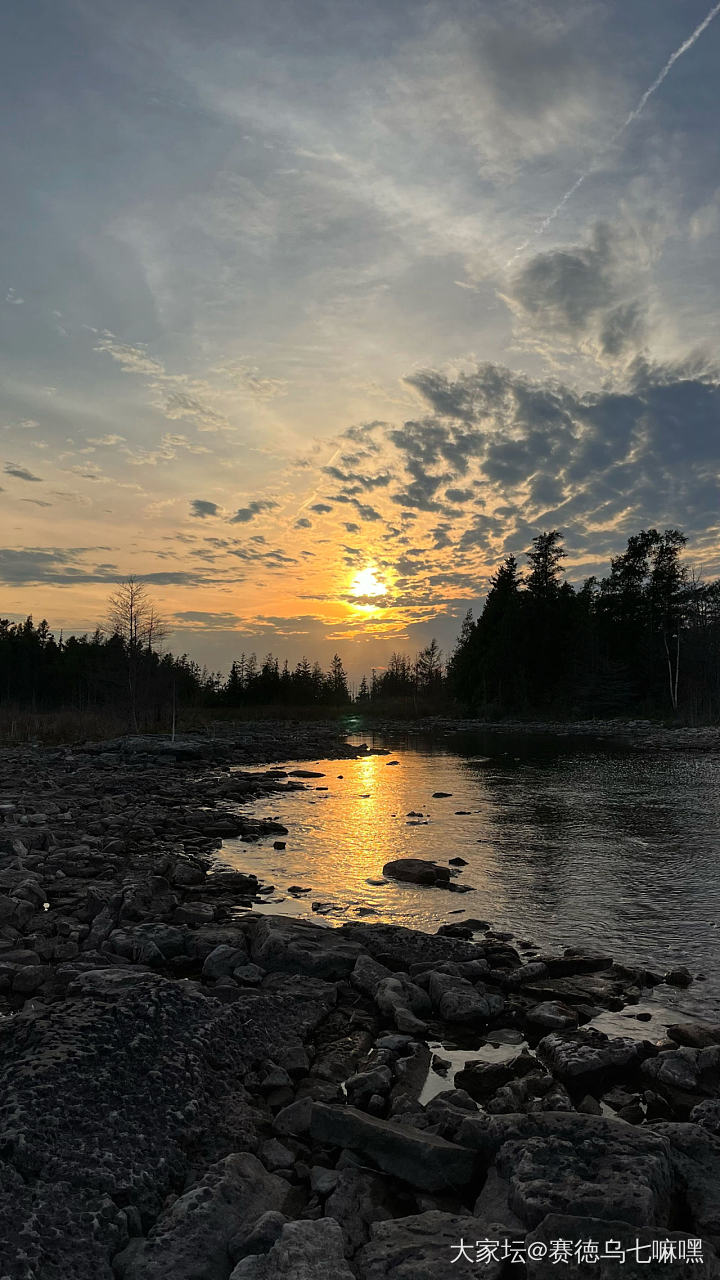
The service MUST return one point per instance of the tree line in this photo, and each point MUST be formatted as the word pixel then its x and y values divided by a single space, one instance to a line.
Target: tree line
pixel 644 639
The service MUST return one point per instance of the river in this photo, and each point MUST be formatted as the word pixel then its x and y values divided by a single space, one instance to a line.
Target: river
pixel 567 842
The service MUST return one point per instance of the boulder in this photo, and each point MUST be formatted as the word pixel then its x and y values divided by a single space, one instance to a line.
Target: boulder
pixel 456 1000
pixel 578 1056
pixel 298 946
pixel 417 871
pixel 695 1157
pixel 223 961
pixel 426 1246
pixel 552 1015
pixel 635 1262
pixel 420 1159
pixel 191 1240
pixel 303 1251
pixel 356 1201
pixel 578 1164
pixel 686 1069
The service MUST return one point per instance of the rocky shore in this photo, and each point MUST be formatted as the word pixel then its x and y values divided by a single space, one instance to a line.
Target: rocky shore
pixel 191 1089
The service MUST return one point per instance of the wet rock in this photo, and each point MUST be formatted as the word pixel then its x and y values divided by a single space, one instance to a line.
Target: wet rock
pixel 364 1084
pixel 404 1001
pixel 680 977
pixel 422 1160
pixel 368 974
pixel 191 1240
pixel 424 1246
pixel 417 871
pixel 303 1251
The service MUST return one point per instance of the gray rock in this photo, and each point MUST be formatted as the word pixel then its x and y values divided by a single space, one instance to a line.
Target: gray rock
pixel 635 1266
pixel 368 974
pixel 695 1156
pixel 421 1159
pixel 690 1070
pixel 191 1240
pixel 364 1084
pixel 573 1055
pixel 581 1164
pixel 294 1119
pixel 698 1035
pixel 424 1246
pixel 275 1155
pixel 222 961
pixel 298 946
pixel 304 1251
pixel 707 1115
pixel 323 1181
pixel 261 1239
pixel 553 1015
pixel 456 1000
pixel 356 1202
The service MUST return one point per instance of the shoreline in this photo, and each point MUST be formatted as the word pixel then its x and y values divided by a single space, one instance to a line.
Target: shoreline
pixel 194 1089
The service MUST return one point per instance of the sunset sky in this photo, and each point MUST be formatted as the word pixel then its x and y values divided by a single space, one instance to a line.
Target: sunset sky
pixel 299 327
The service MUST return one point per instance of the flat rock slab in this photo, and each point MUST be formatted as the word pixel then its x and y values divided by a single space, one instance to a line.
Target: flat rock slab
pixel 420 1159
pixel 304 1251
pixel 555 1162
pixel 399 948
pixel 426 1246
pixel 298 946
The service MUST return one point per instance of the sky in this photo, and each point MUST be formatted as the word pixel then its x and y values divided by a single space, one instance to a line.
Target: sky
pixel 311 313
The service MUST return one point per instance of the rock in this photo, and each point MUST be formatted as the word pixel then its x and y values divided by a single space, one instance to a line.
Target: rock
pixel 420 1159
pixel 580 1055
pixel 397 994
pixel 457 862
pixel 441 795
pixel 707 1115
pixel 697 1035
pixel 686 1069
pixel 425 1246
pixel 248 975
pixel 276 1156
pixel 261 1239
pixel 680 977
pixel 304 1251
pixel 222 961
pixel 295 1118
pixel 695 1157
pixel 364 1084
pixel 480 1079
pixel 356 1202
pixel 368 974
pixel 633 1251
pixel 323 1181
pixel 553 1015
pixel 457 1001
pixel 298 946
pixel 417 871
pixel 190 1241
pixel 577 1164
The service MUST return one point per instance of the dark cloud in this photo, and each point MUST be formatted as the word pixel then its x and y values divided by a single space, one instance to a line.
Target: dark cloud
pixel 21 473
pixel 212 620
pixel 19 567
pixel 321 508
pixel 586 294
pixel 303 523
pixel 245 514
pixel 199 507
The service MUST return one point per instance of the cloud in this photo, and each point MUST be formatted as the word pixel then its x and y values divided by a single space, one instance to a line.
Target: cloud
pixel 21 473
pixel 303 523
pixel 321 508
pixel 209 621
pixel 35 565
pixel 200 508
pixel 586 294
pixel 245 514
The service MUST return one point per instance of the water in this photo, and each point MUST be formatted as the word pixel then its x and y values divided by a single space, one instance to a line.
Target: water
pixel 567 843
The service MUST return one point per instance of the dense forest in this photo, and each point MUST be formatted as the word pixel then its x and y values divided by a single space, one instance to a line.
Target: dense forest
pixel 643 640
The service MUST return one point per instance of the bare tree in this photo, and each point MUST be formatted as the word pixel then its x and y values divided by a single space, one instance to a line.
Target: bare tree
pixel 132 617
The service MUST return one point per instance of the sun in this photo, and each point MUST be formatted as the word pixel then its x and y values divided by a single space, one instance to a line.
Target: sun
pixel 367 583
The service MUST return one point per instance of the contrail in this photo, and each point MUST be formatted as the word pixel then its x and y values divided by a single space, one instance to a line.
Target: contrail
pixel 687 44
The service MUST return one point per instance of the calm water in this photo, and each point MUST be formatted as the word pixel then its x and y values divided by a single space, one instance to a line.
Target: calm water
pixel 567 843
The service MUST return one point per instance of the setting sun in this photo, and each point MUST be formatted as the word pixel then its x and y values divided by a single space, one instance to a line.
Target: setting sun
pixel 367 583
